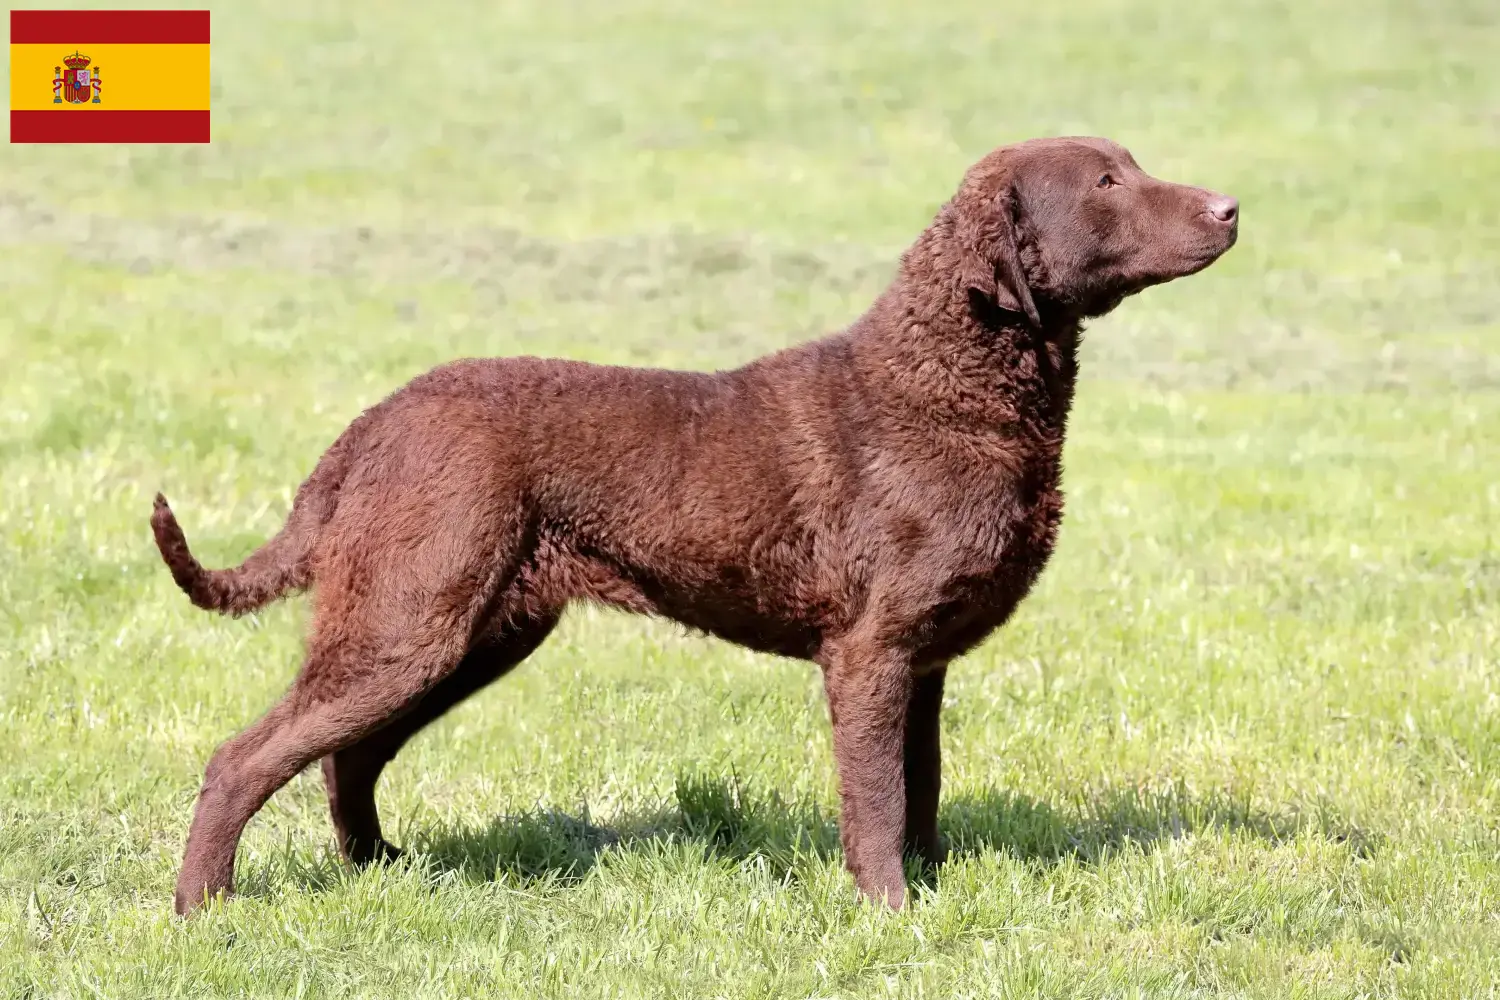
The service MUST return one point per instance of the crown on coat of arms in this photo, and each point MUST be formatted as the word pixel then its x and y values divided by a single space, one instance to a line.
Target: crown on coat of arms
pixel 76 61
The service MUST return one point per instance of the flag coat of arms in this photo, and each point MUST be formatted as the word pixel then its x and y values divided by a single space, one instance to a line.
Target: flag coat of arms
pixel 109 76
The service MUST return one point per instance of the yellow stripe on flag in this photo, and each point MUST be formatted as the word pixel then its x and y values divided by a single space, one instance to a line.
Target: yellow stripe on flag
pixel 131 77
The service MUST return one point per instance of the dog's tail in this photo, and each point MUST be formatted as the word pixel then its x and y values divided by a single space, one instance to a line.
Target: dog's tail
pixel 282 565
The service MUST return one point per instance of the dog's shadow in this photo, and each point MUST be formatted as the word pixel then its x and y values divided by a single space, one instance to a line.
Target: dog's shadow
pixel 719 817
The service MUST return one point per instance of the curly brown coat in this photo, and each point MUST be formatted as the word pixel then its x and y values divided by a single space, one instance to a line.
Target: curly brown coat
pixel 877 502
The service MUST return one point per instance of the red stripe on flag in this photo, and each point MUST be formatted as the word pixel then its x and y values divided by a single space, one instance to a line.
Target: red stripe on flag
pixel 109 126
pixel 120 27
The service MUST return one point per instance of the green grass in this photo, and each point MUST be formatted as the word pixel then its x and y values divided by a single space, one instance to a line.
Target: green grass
pixel 1242 739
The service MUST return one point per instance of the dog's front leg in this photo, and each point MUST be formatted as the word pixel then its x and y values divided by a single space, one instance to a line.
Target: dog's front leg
pixel 924 767
pixel 869 687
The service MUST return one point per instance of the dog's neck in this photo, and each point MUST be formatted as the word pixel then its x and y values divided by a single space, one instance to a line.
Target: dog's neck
pixel 933 346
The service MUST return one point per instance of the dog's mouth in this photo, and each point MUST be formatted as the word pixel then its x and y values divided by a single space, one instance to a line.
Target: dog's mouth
pixel 1189 261
pixel 1199 257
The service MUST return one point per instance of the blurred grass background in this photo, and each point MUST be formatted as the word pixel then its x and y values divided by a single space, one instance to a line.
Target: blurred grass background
pixel 1242 739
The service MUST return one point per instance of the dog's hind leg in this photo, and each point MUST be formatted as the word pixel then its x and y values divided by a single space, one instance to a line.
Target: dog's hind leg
pixel 374 653
pixel 351 773
pixel 306 725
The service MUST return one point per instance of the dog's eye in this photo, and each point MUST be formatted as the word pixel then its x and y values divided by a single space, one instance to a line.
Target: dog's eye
pixel 1105 181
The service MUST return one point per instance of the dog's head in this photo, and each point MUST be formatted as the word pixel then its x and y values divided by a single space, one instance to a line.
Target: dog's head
pixel 1075 225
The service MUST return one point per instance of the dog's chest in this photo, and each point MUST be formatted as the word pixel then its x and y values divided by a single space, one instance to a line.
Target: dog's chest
pixel 990 547
pixel 1015 527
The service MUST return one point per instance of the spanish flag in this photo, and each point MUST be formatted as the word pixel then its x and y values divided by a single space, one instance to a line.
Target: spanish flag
pixel 109 76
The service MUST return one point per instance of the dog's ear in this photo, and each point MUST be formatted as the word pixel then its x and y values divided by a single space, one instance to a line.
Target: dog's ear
pixel 990 255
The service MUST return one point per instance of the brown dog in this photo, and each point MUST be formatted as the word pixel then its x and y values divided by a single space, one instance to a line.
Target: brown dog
pixel 878 502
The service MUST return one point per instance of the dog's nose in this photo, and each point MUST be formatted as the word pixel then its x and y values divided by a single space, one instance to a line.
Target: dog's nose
pixel 1224 208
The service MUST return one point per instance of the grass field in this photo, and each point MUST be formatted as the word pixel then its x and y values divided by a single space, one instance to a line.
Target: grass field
pixel 1241 741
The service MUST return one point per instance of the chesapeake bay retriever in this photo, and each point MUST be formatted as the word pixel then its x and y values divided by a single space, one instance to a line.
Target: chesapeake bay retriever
pixel 876 502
